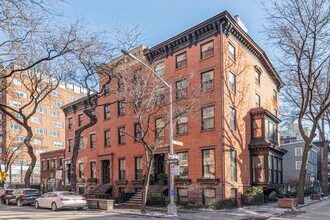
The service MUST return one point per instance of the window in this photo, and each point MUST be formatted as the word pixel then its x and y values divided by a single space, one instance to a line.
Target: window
pixel 159 125
pixel 275 112
pixel 48 164
pixel 232 82
pixel 61 162
pixel 183 163
pixel 138 168
pixel 106 89
pixel 258 168
pixel 15 127
pixel 41 131
pixel 20 138
pixel 257 77
pixel 274 95
pixel 92 140
pixel 120 84
pixel 54 164
pixel 59 124
pixel 54 133
pixel 17 82
pixel 271 130
pixel 159 69
pixel 207 50
pixel 207 81
pixel 208 117
pixel 208 163
pixel 122 169
pixel 137 131
pixel 232 119
pixel 36 120
pixel 58 144
pixel 121 107
pixel 81 144
pixel 80 120
pixel 182 195
pixel 58 104
pixel 181 60
pixel 138 75
pixel 36 141
pixel 121 135
pixel 298 151
pixel 233 169
pixel 257 100
pixel 70 145
pixel 72 98
pixel 42 165
pixel 160 100
pixel 81 170
pixel 231 51
pixel 93 169
pixel 209 196
pixel 18 116
pixel 256 128
pixel 21 94
pixel 54 93
pixel 106 111
pixel 15 104
pixel 70 123
pixel 182 123
pixel 107 138
pixel 54 113
pixel 181 88
pixel 41 110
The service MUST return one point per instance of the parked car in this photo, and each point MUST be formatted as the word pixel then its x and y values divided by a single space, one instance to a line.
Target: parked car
pixel 60 200
pixel 4 193
pixel 25 196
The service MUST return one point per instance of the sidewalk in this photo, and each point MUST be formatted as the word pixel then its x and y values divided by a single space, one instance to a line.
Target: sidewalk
pixel 248 212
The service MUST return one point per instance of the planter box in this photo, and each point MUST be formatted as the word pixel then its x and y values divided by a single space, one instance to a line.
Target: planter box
pixel 315 197
pixel 104 204
pixel 287 203
pixel 253 200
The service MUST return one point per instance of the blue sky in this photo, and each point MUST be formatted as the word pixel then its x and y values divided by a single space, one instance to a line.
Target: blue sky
pixel 160 20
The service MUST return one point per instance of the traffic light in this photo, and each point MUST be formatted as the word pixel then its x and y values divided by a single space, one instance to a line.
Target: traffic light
pixel 3 176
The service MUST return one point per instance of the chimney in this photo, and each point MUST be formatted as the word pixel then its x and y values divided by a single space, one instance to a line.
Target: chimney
pixel 240 23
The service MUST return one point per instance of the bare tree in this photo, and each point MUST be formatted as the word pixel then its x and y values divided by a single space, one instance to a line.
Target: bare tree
pixel 300 31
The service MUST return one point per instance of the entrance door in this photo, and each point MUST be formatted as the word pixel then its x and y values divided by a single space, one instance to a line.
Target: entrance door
pixel 105 171
pixel 159 166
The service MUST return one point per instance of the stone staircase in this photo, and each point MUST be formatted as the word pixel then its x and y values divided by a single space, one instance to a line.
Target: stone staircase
pixel 135 201
pixel 98 190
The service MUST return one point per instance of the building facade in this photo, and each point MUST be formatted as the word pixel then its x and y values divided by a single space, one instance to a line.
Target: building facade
pixel 229 144
pixel 292 162
pixel 48 124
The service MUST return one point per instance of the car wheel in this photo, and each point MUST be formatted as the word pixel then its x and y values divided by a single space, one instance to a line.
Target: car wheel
pixel 19 202
pixel 36 205
pixel 54 206
pixel 80 208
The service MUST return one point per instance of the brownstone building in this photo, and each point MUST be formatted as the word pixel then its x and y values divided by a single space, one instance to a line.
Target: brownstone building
pixel 231 143
pixel 47 123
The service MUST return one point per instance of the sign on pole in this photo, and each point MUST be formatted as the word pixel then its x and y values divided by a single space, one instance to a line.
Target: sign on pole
pixel 312 177
pixel 175 170
pixel 180 143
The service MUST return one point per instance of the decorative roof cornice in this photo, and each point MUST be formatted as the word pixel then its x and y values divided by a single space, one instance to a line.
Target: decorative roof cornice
pixel 206 29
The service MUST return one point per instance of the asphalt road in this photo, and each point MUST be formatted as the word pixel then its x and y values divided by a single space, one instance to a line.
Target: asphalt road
pixel 13 212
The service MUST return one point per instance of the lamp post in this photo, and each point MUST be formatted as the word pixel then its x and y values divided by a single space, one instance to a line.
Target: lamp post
pixel 171 207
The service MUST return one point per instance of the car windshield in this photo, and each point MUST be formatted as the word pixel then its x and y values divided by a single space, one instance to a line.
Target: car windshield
pixel 30 192
pixel 69 194
pixel 9 192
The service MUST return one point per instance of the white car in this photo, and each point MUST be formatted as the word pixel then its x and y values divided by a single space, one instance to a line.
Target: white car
pixel 60 200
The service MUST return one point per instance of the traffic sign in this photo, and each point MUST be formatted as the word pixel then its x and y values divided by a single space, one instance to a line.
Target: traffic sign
pixel 180 143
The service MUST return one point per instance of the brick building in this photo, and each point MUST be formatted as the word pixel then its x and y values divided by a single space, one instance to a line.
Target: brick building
pixel 47 123
pixel 231 143
pixel 51 169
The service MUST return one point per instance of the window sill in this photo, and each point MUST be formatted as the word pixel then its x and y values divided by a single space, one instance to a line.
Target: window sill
pixel 208 181
pixel 107 146
pixel 182 134
pixel 121 182
pixel 92 149
pixel 122 115
pixel 106 119
pixel 181 67
pixel 120 144
pixel 208 90
pixel 206 130
pixel 137 182
pixel 182 180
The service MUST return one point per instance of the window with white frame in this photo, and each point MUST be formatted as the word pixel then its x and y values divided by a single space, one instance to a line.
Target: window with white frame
pixel 59 124
pixel 232 82
pixel 298 165
pixel 15 104
pixel 54 93
pixel 54 113
pixel 231 51
pixel 58 144
pixel 58 104
pixel 36 120
pixel 20 138
pixel 21 94
pixel 54 133
pixel 41 110
pixel 72 98
pixel 17 82
pixel 298 151
pixel 159 69
pixel 41 131
pixel 15 127
pixel 36 141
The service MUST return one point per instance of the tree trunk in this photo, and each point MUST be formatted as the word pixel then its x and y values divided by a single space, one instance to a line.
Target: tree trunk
pixel 28 174
pixel 146 184
pixel 302 176
pixel 324 174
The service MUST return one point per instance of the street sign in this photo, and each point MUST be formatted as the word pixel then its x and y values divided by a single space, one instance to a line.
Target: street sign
pixel 172 161
pixel 175 170
pixel 177 143
pixel 173 156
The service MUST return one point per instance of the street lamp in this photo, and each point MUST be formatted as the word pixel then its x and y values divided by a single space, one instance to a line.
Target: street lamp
pixel 171 207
